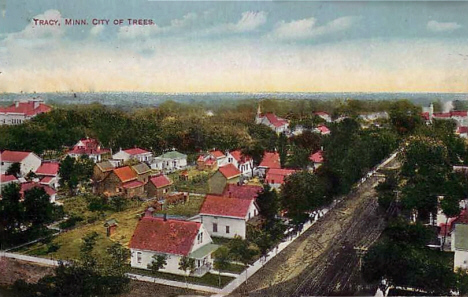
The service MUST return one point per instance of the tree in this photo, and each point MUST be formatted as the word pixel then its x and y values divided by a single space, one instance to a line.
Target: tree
pixel 268 203
pixel 37 207
pixel 222 261
pixel 241 251
pixel 299 158
pixel 451 208
pixel 282 147
pixel 14 169
pixel 186 264
pixel 67 174
pixel 405 117
pixel 11 212
pixel 159 261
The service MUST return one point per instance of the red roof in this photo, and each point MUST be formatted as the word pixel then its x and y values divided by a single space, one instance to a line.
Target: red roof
pixel 442 115
pixel 169 237
pixel 270 160
pixel 242 192
pixel 46 180
pixel 133 184
pixel 229 171
pixel 26 108
pixel 161 181
pixel 210 162
pixel 461 219
pixel 459 113
pixel 275 121
pixel 317 157
pixel 225 206
pixel 201 158
pixel 88 146
pixel 125 174
pixel 7 178
pixel 237 154
pixel 50 168
pixel 14 156
pixel 29 185
pixel 217 154
pixel 135 151
pixel 425 115
pixel 462 130
pixel 322 113
pixel 277 176
pixel 323 129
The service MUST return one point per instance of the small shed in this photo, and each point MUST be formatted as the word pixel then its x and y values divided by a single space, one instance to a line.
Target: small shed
pixel 184 176
pixel 111 226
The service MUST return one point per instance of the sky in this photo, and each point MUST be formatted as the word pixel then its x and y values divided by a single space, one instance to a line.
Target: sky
pixel 228 46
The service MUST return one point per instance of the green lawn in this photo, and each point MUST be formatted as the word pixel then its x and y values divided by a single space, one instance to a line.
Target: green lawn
pixel 208 279
pixel 197 183
pixel 189 209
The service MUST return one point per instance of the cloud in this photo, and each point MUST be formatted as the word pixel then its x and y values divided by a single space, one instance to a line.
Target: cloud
pixel 306 28
pixel 96 30
pixel 436 26
pixel 249 21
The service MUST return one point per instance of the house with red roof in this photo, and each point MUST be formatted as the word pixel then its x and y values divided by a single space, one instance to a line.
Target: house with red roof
pixel 316 159
pixel 322 130
pixel 30 185
pixel 29 161
pixel 6 180
pixel 240 161
pixel 89 147
pixel 22 110
pixel 172 239
pixel 242 191
pixel 276 177
pixel 136 153
pixel 274 122
pixel 48 173
pixel 227 217
pixel 270 160
pixel 159 187
pixel 462 131
pixel 121 181
pixel 227 174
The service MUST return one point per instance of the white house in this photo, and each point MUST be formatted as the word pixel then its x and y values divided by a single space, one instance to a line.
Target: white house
pixel 172 239
pixel 6 180
pixel 135 153
pixel 460 246
pixel 243 163
pixel 316 159
pixel 277 177
pixel 170 161
pixel 21 111
pixel 30 185
pixel 324 115
pixel 29 161
pixel 227 217
pixel 277 124
pixel 48 174
pixel 89 147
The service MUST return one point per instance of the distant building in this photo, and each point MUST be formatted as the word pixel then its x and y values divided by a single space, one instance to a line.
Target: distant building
pixel 22 110
pixel 316 159
pixel 277 124
pixel 159 187
pixel 270 160
pixel 322 130
pixel 30 185
pixel 241 162
pixel 122 181
pixel 48 173
pixel 460 246
pixel 6 180
pixel 462 131
pixel 138 154
pixel 324 115
pixel 276 177
pixel 172 239
pixel 170 161
pixel 29 161
pixel 89 147
pixel 227 174
pixel 227 217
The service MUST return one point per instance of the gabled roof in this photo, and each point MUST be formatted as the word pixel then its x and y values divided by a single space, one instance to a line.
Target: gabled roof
pixel 224 206
pixel 26 108
pixel 275 120
pixel 317 157
pixel 141 168
pixel 323 129
pixel 278 176
pixel 105 166
pixel 169 237
pixel 242 192
pixel 322 113
pixel 271 160
pixel 50 169
pixel 88 146
pixel 217 154
pixel 229 171
pixel 237 154
pixel 133 184
pixel 425 115
pixel 30 185
pixel 7 178
pixel 459 113
pixel 14 156
pixel 125 174
pixel 46 180
pixel 462 130
pixel 173 155
pixel 135 151
pixel 160 181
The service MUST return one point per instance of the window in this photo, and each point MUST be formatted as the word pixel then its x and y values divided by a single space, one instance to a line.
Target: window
pixel 200 237
pixel 215 227
pixel 227 230
pixel 138 257
pixel 199 263
pixel 249 215
pixel 255 212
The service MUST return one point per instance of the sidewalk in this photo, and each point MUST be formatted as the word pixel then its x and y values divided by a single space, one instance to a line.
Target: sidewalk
pixel 173 283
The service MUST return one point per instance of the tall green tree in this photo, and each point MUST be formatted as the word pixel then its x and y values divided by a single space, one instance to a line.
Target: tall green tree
pixel 14 169
pixel 222 261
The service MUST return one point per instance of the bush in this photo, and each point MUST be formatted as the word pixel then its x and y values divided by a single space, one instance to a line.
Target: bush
pixel 71 222
pixel 97 204
pixel 53 247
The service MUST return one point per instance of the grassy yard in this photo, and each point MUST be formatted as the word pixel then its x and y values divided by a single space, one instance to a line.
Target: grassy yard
pixel 208 279
pixel 197 183
pixel 189 209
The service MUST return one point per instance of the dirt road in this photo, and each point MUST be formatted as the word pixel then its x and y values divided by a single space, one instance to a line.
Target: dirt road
pixel 325 259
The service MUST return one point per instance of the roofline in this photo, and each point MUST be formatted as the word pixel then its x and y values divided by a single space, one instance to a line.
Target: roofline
pixel 224 216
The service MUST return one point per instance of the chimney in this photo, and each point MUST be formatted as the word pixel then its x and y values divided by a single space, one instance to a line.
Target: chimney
pixel 165 217
pixel 36 104
pixel 16 104
pixel 431 111
pixel 321 148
